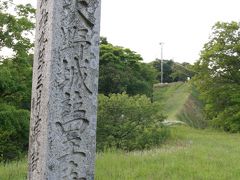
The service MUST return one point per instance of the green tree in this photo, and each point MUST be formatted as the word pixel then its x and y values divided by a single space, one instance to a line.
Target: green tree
pixel 173 71
pixel 14 124
pixel 121 70
pixel 15 70
pixel 15 78
pixel 167 70
pixel 218 76
pixel 182 71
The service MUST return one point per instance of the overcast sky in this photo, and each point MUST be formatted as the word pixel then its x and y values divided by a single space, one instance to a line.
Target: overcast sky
pixel 183 25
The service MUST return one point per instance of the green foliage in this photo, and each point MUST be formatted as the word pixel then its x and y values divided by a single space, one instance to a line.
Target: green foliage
pixel 15 78
pixel 15 83
pixel 15 71
pixel 15 28
pixel 14 125
pixel 121 71
pixel 218 77
pixel 182 71
pixel 173 71
pixel 167 70
pixel 129 123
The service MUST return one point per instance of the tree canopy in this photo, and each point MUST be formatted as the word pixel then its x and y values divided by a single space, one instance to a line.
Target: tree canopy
pixel 218 77
pixel 173 71
pixel 16 70
pixel 121 70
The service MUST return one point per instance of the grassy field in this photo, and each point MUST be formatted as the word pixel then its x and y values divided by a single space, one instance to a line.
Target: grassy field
pixel 189 154
pixel 172 98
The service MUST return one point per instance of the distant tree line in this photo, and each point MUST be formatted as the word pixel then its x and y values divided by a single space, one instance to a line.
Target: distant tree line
pixel 173 71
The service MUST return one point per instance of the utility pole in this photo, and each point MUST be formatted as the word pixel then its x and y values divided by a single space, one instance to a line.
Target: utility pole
pixel 161 44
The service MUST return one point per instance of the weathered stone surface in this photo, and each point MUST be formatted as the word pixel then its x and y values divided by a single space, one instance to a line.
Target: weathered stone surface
pixel 64 92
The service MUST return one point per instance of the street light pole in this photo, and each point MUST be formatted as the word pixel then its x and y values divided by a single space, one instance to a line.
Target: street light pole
pixel 161 44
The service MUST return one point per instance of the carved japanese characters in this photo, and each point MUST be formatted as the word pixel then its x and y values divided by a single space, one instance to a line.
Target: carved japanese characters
pixel 64 92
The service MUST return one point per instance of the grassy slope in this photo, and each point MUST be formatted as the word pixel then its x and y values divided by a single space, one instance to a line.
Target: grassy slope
pixel 172 98
pixel 190 154
pixel 180 103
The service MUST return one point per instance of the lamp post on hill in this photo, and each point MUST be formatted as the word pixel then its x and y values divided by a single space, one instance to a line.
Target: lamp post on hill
pixel 161 44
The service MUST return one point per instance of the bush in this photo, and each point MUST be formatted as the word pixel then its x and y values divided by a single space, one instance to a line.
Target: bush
pixel 14 128
pixel 129 123
pixel 231 117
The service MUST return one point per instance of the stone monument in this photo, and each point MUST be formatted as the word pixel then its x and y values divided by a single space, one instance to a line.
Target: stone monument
pixel 64 90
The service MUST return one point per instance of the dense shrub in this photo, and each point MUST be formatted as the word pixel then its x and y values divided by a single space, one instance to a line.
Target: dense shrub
pixel 14 130
pixel 129 123
pixel 231 115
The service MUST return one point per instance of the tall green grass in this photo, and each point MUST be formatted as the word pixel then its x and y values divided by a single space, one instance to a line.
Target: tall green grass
pixel 14 170
pixel 190 154
pixel 192 110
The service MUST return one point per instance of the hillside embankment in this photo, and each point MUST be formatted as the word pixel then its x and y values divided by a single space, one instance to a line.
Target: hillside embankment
pixel 180 103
